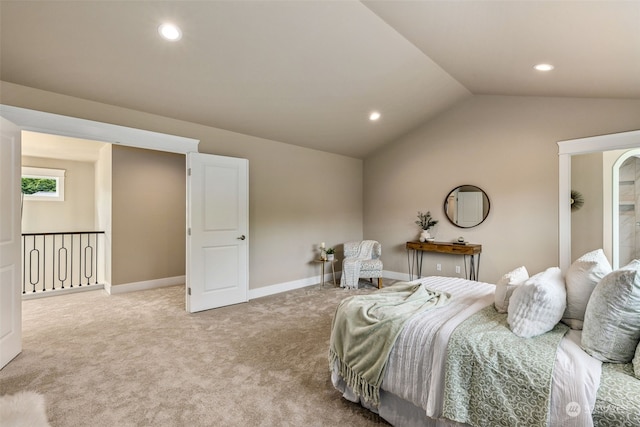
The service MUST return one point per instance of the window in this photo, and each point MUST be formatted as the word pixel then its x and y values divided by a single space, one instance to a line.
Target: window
pixel 43 184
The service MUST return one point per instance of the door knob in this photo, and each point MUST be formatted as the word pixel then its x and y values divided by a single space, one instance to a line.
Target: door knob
pixel 242 237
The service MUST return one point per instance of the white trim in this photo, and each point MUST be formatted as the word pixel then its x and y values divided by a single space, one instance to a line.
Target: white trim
pixel 283 287
pixel 265 291
pixel 594 144
pixel 396 276
pixel 56 292
pixel 38 121
pixel 144 285
pixel 38 172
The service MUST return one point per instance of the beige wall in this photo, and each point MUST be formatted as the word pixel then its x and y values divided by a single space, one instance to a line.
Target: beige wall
pixel 148 215
pixel 75 213
pixel 297 197
pixel 587 222
pixel 505 145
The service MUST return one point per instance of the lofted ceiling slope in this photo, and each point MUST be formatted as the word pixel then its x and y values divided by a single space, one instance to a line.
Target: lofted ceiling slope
pixel 309 73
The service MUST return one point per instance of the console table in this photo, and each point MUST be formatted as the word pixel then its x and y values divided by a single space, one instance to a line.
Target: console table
pixel 416 249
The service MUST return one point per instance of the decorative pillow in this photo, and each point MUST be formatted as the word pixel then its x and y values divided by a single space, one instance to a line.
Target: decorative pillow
pixel 537 305
pixel 506 285
pixel 636 362
pixel 581 278
pixel 611 329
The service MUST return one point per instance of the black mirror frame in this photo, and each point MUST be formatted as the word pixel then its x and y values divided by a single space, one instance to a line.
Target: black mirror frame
pixel 485 196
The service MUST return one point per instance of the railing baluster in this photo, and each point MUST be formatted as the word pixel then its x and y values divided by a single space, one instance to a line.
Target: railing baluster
pixel 61 259
pixel 33 252
pixel 24 264
pixel 44 262
pixel 95 239
pixel 62 251
pixel 72 258
pixel 88 257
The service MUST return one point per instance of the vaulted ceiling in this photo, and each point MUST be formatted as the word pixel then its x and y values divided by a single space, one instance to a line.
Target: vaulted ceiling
pixel 309 72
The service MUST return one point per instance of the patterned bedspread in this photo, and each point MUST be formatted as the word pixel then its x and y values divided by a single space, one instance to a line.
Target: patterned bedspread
pixel 415 374
pixel 495 378
pixel 618 399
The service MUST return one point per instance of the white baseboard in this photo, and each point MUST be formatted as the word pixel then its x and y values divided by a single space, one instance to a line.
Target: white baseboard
pixel 51 292
pixel 284 287
pixel 395 275
pixel 297 284
pixel 253 293
pixel 146 284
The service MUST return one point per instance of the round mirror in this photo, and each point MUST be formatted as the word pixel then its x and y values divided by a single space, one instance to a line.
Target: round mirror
pixel 466 206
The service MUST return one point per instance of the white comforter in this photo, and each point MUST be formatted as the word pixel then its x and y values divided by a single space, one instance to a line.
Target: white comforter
pixel 416 366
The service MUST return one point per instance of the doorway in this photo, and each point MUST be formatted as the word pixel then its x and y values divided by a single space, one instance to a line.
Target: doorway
pixel 111 190
pixel 124 136
pixel 626 199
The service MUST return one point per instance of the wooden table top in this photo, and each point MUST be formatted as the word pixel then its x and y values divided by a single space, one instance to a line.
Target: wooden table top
pixel 445 247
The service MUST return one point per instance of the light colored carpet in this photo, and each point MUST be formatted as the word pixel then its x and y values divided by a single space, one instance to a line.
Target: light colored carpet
pixel 139 359
pixel 23 409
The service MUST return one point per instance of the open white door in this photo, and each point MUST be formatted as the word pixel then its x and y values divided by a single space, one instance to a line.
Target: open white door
pixel 10 299
pixel 218 231
pixel 469 208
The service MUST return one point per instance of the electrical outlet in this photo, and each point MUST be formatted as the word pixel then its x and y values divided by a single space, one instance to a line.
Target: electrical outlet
pixel 439 267
pixel 458 269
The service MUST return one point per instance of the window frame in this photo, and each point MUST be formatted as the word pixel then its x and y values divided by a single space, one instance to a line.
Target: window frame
pixel 44 173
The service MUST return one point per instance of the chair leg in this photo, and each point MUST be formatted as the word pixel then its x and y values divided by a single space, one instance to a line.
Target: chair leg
pixel 379 282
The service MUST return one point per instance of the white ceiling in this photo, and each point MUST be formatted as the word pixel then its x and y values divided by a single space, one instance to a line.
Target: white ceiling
pixel 37 144
pixel 309 72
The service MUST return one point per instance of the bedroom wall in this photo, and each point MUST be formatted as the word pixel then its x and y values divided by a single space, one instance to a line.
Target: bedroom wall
pixel 76 212
pixel 297 197
pixel 505 145
pixel 148 207
pixel 587 222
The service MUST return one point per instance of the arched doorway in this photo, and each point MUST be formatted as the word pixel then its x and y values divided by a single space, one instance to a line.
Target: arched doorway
pixel 626 209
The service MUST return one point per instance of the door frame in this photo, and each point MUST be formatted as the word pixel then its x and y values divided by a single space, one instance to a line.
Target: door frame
pixel 615 205
pixel 55 124
pixel 572 147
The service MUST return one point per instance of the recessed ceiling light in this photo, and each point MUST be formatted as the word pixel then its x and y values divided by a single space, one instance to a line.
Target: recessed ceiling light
pixel 374 116
pixel 170 32
pixel 544 67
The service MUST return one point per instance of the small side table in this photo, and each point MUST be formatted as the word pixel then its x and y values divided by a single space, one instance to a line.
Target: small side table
pixel 333 269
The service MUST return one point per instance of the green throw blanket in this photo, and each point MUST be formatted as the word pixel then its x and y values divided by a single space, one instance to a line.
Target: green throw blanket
pixel 495 378
pixel 365 327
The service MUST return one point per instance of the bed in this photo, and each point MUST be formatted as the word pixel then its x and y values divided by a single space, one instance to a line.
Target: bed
pixel 459 364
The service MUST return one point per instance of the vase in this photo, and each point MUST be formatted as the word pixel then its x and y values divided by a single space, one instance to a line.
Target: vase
pixel 424 235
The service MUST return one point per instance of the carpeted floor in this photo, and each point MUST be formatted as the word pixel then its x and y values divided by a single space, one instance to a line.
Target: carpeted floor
pixel 139 359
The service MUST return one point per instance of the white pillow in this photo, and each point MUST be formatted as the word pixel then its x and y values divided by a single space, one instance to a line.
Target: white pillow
pixel 611 328
pixel 506 285
pixel 537 305
pixel 581 278
pixel 636 362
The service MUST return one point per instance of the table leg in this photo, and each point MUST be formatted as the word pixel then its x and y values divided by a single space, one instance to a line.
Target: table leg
pixel 333 269
pixel 474 267
pixel 322 277
pixel 414 259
